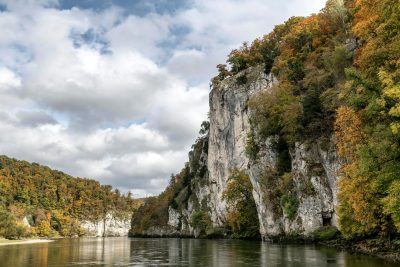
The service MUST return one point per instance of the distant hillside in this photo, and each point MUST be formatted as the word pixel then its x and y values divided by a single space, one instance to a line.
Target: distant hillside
pixel 51 201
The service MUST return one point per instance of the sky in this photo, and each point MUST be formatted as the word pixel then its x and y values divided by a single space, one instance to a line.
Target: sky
pixel 116 90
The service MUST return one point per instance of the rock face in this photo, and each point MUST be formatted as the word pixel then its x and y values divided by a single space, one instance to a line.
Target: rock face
pixel 111 226
pixel 200 192
pixel 314 165
pixel 229 126
pixel 314 169
pixel 309 204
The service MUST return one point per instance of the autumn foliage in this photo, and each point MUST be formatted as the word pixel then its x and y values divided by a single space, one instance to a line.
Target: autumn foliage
pixel 367 128
pixel 338 78
pixel 242 213
pixel 339 75
pixel 54 202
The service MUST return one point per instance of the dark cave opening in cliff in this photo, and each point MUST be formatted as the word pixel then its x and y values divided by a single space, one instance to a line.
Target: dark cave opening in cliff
pixel 326 221
pixel 284 163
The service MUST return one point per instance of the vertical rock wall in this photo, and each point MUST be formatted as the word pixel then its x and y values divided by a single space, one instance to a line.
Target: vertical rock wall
pixel 229 126
pixel 314 165
pixel 313 173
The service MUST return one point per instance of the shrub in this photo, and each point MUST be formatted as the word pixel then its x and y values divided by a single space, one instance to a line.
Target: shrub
pixel 201 221
pixel 326 233
pixel 272 187
pixel 43 229
pixel 252 147
pixel 241 80
pixel 9 227
pixel 277 111
pixel 67 225
pixel 290 204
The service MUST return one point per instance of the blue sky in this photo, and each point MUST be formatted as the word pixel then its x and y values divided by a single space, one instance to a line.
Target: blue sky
pixel 116 90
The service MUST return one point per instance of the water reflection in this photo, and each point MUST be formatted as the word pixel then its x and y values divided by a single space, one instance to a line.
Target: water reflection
pixel 177 252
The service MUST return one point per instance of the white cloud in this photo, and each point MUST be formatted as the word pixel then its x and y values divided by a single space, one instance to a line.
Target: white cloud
pixel 217 27
pixel 140 34
pixel 113 97
pixel 8 80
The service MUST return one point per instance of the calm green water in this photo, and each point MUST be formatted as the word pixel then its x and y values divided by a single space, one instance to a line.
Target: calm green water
pixel 177 252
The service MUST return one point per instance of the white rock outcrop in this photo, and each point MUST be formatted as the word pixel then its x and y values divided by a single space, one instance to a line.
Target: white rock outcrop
pixel 314 165
pixel 174 217
pixel 110 226
pixel 229 126
pixel 314 168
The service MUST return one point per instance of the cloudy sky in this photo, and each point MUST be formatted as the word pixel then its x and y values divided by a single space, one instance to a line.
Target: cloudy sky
pixel 116 90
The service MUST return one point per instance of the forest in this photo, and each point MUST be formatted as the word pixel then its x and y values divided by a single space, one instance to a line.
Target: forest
pixel 338 76
pixel 52 202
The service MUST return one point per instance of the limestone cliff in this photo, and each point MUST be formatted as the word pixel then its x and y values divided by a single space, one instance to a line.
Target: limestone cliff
pixel 229 126
pixel 314 165
pixel 313 169
pixel 110 226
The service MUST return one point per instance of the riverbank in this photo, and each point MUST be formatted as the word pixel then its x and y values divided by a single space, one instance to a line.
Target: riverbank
pixel 5 242
pixel 388 250
pixel 384 249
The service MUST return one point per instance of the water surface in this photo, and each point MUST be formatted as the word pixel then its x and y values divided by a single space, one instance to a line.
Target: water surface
pixel 178 252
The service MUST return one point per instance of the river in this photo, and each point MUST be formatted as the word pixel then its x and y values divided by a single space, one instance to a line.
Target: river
pixel 178 252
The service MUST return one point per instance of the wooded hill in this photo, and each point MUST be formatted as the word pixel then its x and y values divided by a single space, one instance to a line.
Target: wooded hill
pixel 51 201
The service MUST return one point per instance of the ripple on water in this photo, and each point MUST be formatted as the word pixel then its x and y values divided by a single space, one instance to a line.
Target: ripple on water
pixel 178 252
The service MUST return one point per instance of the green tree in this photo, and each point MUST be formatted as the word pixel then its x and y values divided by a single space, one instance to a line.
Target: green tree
pixel 242 211
pixel 7 224
pixel 200 220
